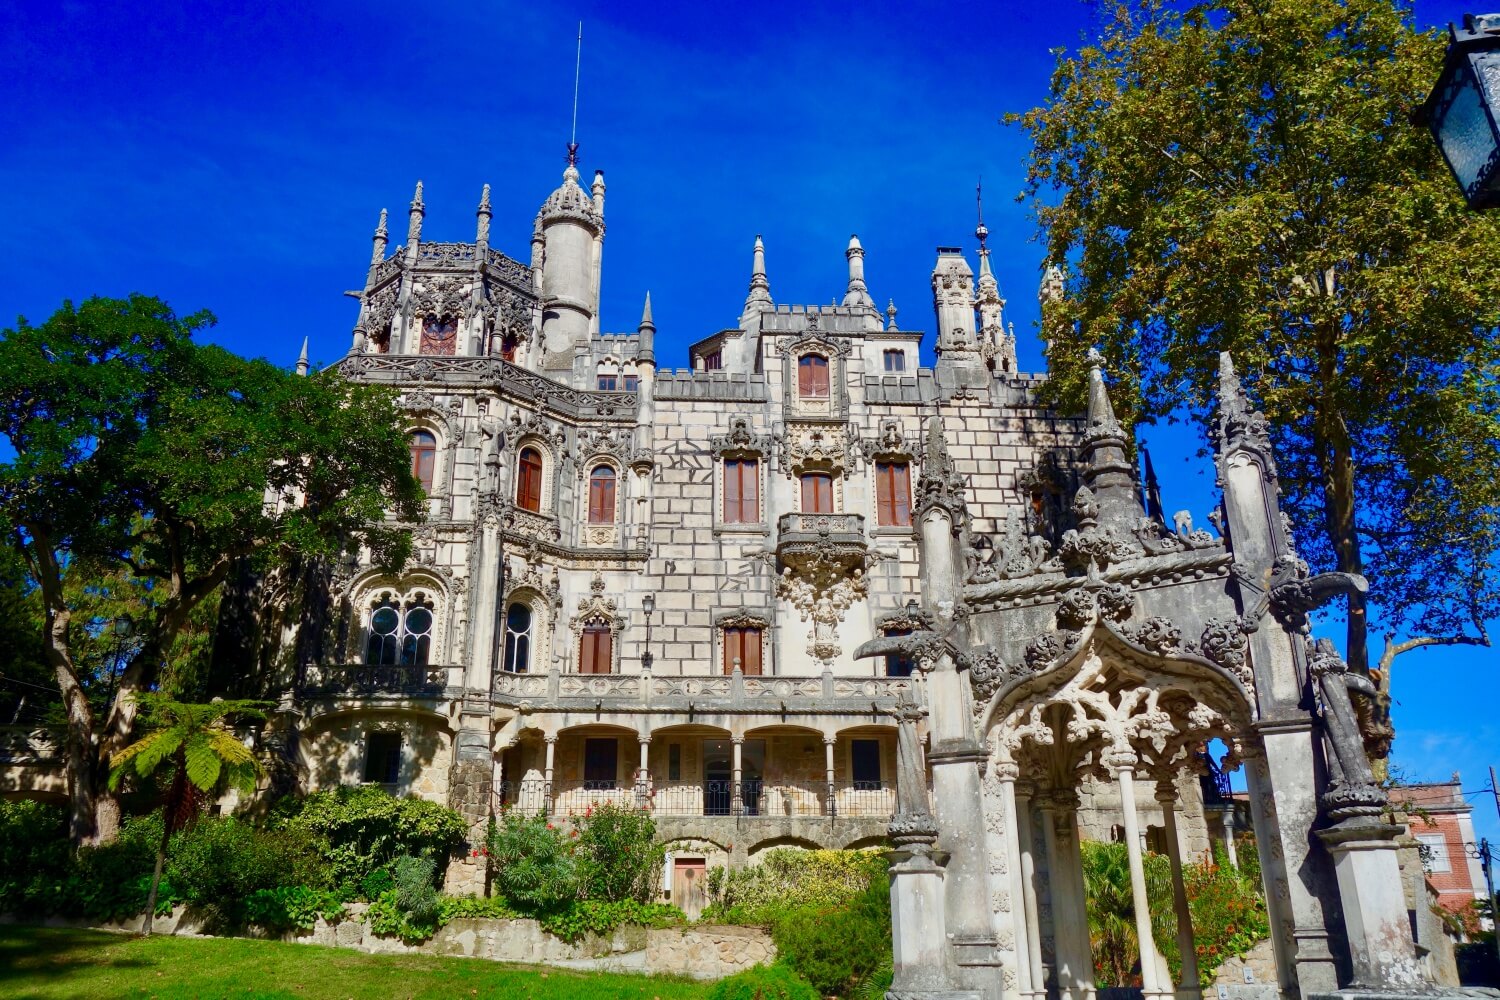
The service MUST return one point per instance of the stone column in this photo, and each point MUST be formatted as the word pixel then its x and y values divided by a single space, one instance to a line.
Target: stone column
pixel 832 804
pixel 484 611
pixel 1124 765
pixel 1230 851
pixel 643 776
pixel 1007 771
pixel 1070 920
pixel 736 790
pixel 1382 954
pixel 1188 988
pixel 1025 792
pixel 547 774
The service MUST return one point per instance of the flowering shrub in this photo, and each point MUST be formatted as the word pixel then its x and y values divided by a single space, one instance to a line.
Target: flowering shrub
pixel 618 856
pixel 532 865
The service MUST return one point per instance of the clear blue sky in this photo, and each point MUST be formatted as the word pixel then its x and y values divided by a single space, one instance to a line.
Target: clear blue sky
pixel 235 156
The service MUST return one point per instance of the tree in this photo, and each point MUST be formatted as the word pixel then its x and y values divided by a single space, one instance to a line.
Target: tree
pixel 1244 176
pixel 159 463
pixel 202 754
pixel 1111 912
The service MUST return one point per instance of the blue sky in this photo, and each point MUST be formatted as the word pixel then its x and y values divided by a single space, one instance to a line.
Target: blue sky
pixel 234 156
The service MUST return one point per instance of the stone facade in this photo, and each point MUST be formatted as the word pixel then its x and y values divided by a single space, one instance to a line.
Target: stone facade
pixel 716 541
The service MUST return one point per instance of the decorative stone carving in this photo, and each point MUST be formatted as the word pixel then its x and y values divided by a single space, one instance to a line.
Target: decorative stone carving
pixel 1157 634
pixel 739 441
pixel 1090 546
pixel 1226 641
pixel 940 486
pixel 817 446
pixel 618 442
pixel 440 296
pixel 988 672
pixel 1352 790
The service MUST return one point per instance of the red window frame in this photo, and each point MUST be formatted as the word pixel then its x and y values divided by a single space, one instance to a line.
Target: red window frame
pixel 596 649
pixel 423 458
pixel 817 493
pixel 741 491
pixel 743 641
pixel 892 494
pixel 602 495
pixel 812 376
pixel 529 480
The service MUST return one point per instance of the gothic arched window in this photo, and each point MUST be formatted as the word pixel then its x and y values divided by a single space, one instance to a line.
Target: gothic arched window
pixel 399 634
pixel 518 635
pixel 423 458
pixel 529 480
pixel 602 495
pixel 439 336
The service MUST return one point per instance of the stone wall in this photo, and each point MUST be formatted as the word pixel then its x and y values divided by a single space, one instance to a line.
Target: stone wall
pixel 708 952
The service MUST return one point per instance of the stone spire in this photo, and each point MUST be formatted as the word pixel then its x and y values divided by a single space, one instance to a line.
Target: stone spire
pixel 646 350
pixel 890 315
pixel 414 218
pixel 302 364
pixel 1107 472
pixel 759 299
pixel 482 236
pixel 381 238
pixel 857 294
pixel 1051 289
pixel 1241 426
pixel 570 254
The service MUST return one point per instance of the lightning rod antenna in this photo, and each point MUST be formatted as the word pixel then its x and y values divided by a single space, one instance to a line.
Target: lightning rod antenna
pixel 577 71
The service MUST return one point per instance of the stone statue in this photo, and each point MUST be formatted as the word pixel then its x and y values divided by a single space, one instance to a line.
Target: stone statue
pixel 1352 789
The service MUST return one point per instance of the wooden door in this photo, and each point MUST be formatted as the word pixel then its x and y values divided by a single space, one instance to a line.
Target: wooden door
pixel 689 885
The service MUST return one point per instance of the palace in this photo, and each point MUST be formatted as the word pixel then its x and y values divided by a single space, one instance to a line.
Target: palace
pixel 809 592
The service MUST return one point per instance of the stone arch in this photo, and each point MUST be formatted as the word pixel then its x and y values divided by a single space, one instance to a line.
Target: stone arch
pixel 542 625
pixel 791 841
pixel 421 586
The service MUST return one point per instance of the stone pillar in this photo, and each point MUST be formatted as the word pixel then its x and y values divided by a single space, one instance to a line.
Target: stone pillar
pixel 1007 771
pixel 1382 954
pixel 643 775
pixel 1025 792
pixel 832 804
pixel 551 739
pixel 1124 765
pixel 484 610
pixel 1230 851
pixel 1070 919
pixel 1188 988
pixel 736 790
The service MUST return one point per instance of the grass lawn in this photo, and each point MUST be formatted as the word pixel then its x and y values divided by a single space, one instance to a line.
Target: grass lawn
pixel 56 964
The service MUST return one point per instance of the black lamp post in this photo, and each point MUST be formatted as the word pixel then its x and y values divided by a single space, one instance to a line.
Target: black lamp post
pixel 1460 111
pixel 648 605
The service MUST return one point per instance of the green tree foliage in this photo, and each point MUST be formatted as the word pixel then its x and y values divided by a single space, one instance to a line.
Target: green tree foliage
pixel 618 856
pixel 532 864
pixel 138 450
pixel 1111 911
pixel 364 829
pixel 761 982
pixel 837 949
pixel 1243 175
pixel 787 878
pixel 200 755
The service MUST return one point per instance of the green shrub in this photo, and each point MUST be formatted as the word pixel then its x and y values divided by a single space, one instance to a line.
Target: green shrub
pixel 837 948
pixel 787 879
pixel 491 907
pixel 294 907
pixel 364 827
pixel 415 892
pixel 776 982
pixel 600 917
pixel 218 863
pixel 618 856
pixel 386 918
pixel 113 881
pixel 377 883
pixel 34 854
pixel 533 867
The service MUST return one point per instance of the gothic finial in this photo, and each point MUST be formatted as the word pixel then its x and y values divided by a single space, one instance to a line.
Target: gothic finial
pixel 890 315
pixel 484 198
pixel 483 233
pixel 416 201
pixel 759 298
pixel 646 346
pixel 857 294
pixel 1051 289
pixel 1240 424
pixel 377 254
pixel 573 155
pixel 302 364
pixel 646 314
pixel 414 218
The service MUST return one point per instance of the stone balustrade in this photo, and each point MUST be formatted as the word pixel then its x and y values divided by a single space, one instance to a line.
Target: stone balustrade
pixel 823 694
pixel 363 680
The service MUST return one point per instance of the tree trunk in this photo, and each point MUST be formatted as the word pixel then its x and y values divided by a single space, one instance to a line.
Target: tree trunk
pixel 161 858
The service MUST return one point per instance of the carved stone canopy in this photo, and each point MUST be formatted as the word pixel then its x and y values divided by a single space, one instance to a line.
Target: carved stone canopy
pixel 740 440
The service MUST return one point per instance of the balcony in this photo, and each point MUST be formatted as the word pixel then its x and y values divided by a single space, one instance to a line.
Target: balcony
pixel 358 680
pixel 821 537
pixel 753 798
pixel 708 693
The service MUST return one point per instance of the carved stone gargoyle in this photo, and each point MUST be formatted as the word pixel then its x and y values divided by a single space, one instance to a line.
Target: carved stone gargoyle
pixel 924 645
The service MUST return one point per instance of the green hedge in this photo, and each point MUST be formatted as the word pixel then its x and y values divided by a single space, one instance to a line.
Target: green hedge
pixel 775 982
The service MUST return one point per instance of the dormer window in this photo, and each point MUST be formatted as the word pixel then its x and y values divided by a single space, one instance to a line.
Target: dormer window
pixel 812 376
pixel 439 336
pixel 713 361
pixel 895 360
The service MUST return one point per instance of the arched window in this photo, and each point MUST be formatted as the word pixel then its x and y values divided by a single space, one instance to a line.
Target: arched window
pixel 596 649
pixel 817 493
pixel 529 480
pixel 423 458
pixel 602 495
pixel 812 376
pixel 399 635
pixel 518 624
pixel 439 336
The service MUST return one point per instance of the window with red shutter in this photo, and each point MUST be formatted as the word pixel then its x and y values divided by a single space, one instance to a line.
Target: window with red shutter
pixel 602 495
pixel 742 643
pixel 423 458
pixel 812 376
pixel 529 480
pixel 892 494
pixel 741 491
pixel 595 649
pixel 817 493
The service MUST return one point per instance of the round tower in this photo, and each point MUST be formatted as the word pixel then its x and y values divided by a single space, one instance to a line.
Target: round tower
pixel 569 226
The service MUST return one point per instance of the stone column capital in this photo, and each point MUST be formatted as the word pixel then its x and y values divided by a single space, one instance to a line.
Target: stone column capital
pixel 737 740
pixel 829 741
pixel 1166 791
pixel 1007 770
pixel 644 739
